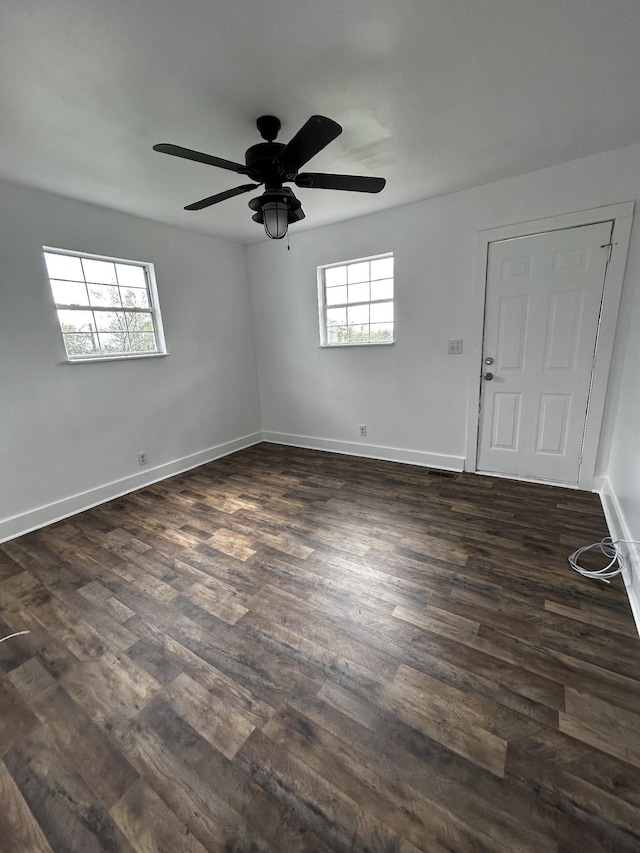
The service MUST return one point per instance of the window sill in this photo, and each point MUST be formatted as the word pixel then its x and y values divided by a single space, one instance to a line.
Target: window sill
pixel 349 345
pixel 103 358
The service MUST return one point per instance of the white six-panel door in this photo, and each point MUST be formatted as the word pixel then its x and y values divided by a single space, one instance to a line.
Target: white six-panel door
pixel 543 299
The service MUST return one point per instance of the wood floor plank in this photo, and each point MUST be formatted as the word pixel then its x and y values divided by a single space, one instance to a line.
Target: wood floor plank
pixel 232 544
pixel 17 717
pixel 461 789
pixel 266 672
pixel 430 617
pixel 427 805
pixel 67 811
pixel 613 730
pixel 223 605
pixel 31 678
pixel 609 774
pixel 224 727
pixel 413 818
pixel 611 822
pixel 336 818
pixel 266 823
pixel 457 721
pixel 284 616
pixel 288 651
pixel 20 832
pixel 150 825
pixel 128 681
pixel 104 770
pixel 16 652
pixel 205 814
pixel 8 567
pixel 594 616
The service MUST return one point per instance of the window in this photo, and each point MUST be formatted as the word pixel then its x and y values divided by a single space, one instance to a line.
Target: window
pixel 356 302
pixel 107 308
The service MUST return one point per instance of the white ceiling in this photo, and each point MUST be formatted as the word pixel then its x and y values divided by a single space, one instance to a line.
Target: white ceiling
pixel 434 95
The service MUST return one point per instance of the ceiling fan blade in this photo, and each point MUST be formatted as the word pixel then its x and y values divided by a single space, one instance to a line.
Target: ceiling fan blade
pixel 351 183
pixel 214 199
pixel 208 159
pixel 312 137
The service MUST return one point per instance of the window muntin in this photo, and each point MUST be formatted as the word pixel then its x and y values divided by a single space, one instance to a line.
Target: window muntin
pixel 356 302
pixel 107 307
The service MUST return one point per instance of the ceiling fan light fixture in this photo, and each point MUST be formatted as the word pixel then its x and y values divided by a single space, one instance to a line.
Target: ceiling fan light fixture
pixel 276 219
pixel 276 209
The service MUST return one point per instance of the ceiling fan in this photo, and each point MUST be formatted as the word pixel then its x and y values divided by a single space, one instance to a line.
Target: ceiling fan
pixel 274 164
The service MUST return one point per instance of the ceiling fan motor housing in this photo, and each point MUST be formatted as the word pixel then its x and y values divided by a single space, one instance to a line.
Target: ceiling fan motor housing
pixel 261 167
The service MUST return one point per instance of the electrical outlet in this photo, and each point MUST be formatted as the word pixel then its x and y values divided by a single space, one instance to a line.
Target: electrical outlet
pixel 363 431
pixel 143 459
pixel 455 348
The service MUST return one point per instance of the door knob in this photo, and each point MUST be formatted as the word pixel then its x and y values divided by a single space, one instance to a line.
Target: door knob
pixel 488 376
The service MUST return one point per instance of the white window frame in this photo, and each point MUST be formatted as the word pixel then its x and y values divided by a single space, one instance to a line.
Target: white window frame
pixel 153 310
pixel 322 303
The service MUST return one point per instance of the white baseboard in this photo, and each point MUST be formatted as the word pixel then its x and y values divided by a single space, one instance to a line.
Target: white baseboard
pixel 618 530
pixel 370 451
pixel 26 522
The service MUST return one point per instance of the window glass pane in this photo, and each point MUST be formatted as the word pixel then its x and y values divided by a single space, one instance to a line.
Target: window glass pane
pixel 336 295
pixel 63 266
pixel 334 276
pixel 382 268
pixel 133 297
pixel 359 292
pixel 358 272
pixel 69 293
pixel 358 314
pixel 131 276
pixel 143 342
pixel 337 316
pixel 337 334
pixel 382 331
pixel 382 312
pixel 80 344
pixel 76 321
pixel 111 321
pixel 358 334
pixel 99 272
pixel 382 289
pixel 141 334
pixel 139 322
pixel 114 342
pixel 104 294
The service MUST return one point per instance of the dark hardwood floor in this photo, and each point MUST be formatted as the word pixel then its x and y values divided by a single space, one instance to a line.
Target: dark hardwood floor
pixel 287 650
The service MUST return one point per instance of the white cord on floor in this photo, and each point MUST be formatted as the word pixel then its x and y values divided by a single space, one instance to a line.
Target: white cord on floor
pixel 609 548
pixel 9 636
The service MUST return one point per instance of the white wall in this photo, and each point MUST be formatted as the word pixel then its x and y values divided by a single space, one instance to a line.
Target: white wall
pixel 412 395
pixel 70 434
pixel 621 448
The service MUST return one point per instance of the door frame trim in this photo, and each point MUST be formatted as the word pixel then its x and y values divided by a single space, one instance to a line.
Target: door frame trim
pixel 622 217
